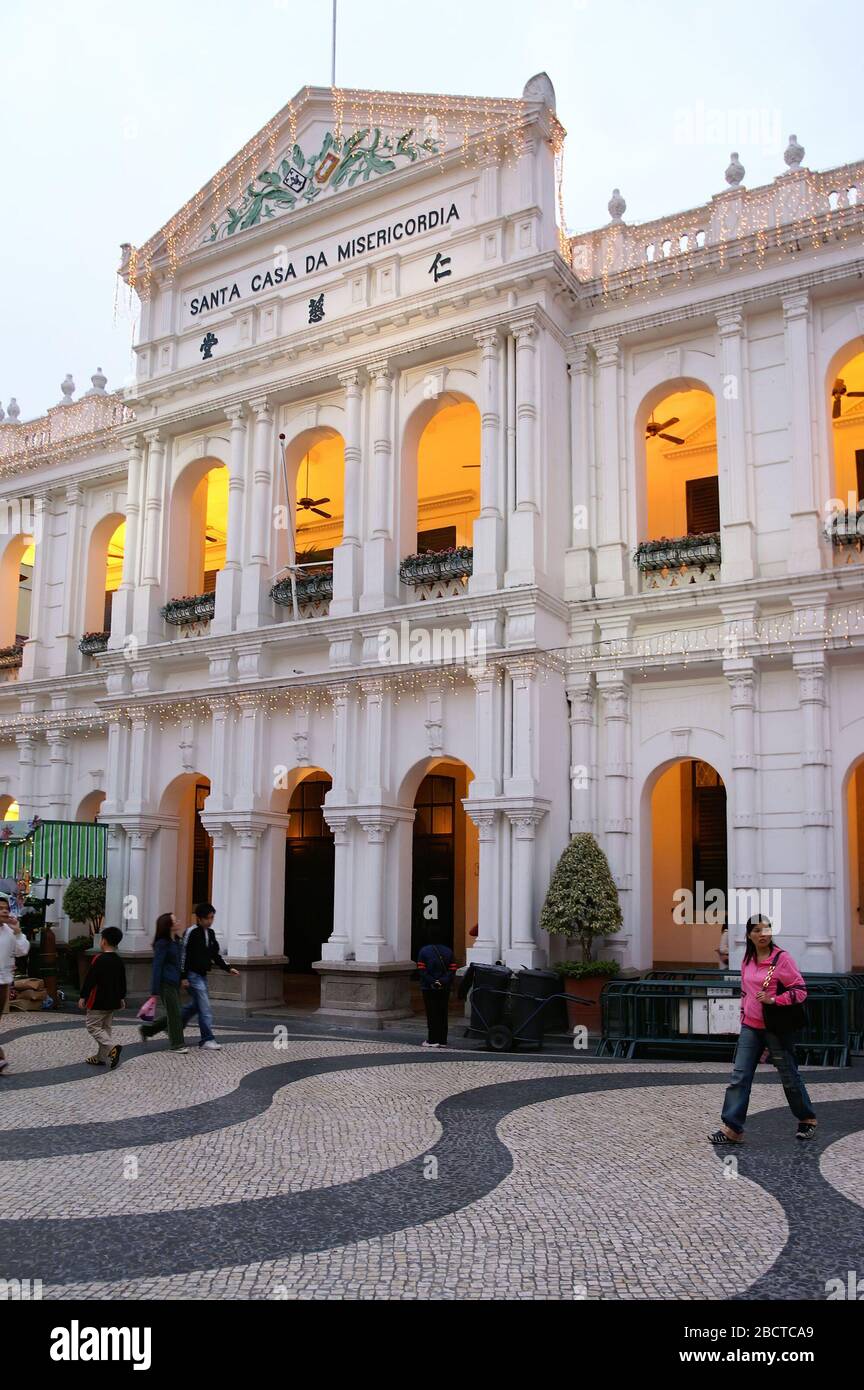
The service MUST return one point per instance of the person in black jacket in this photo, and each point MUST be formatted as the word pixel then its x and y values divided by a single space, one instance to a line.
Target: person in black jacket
pixel 165 982
pixel 200 952
pixel 102 994
pixel 437 967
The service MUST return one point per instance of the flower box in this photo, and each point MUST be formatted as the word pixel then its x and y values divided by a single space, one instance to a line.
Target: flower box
pixel 11 658
pixel 457 563
pixel 310 588
pixel 845 527
pixel 682 550
pixel 195 608
pixel 93 642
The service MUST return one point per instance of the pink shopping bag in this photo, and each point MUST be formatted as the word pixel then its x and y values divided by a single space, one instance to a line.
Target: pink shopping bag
pixel 147 1011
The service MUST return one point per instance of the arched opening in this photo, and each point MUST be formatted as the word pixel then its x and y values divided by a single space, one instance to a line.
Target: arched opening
pixel 309 880
pixel 855 861
pixel 679 527
pixel 315 462
pixel 689 864
pixel 445 858
pixel 847 441
pixel 104 572
pixel 199 529
pixel 9 809
pixel 90 806
pixel 186 849
pixel 442 444
pixel 16 591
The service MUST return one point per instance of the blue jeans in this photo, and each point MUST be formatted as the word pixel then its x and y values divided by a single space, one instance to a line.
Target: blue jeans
pixel 199 1004
pixel 751 1044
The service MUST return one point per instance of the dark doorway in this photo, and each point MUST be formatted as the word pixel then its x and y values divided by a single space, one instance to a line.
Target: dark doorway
pixel 433 864
pixel 709 828
pixel 309 868
pixel 202 850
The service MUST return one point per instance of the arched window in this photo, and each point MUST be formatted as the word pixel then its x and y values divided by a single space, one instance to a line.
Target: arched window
pixel 16 591
pixel 448 498
pixel 308 536
pixel 679 541
pixel 846 528
pixel 689 855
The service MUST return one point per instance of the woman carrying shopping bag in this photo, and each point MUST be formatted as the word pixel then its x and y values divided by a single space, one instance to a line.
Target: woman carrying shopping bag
pixel 772 999
pixel 165 982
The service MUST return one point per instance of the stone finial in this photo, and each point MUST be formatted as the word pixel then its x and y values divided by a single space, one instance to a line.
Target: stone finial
pixel 67 386
pixel 2 414
pixel 735 171
pixel 539 88
pixel 98 379
pixel 793 154
pixel 14 412
pixel 616 205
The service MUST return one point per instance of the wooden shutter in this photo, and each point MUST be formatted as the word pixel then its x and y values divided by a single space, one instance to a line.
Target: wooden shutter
pixel 201 850
pixel 859 474
pixel 709 834
pixel 106 616
pixel 210 581
pixel 440 539
pixel 703 506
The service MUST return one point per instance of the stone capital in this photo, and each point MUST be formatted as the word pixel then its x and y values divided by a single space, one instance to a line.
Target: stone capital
pixel 796 306
pixel 351 380
pixel 730 323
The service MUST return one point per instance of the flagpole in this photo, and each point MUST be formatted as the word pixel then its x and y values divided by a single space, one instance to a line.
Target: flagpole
pixel 333 50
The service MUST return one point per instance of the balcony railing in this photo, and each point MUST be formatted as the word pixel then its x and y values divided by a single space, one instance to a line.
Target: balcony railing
pixel 678 562
pixel 192 610
pixel 438 573
pixel 93 642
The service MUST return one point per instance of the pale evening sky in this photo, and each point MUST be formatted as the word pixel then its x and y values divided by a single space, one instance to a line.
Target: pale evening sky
pixel 113 114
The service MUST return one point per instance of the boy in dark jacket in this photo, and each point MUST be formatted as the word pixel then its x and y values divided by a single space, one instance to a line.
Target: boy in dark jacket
pixel 102 993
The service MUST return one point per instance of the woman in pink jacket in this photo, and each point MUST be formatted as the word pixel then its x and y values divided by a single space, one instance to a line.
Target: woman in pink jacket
pixel 785 986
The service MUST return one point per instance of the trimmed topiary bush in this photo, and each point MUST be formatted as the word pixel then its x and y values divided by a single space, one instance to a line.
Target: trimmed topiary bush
pixel 582 900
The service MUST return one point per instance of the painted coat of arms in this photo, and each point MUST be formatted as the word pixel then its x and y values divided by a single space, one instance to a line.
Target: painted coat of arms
pixel 340 162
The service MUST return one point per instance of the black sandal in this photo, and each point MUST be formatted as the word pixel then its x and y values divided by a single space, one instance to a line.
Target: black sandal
pixel 806 1129
pixel 720 1139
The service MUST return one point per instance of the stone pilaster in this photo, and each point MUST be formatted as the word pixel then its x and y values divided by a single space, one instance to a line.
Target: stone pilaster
pixel 229 580
pixel 805 542
pixel 122 619
pixel 379 581
pixel 489 526
pixel 347 557
pixel 612 559
pixel 256 606
pixel 577 562
pixel 736 520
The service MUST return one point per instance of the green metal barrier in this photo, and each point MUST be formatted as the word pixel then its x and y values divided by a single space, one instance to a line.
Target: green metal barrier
pixel 693 1016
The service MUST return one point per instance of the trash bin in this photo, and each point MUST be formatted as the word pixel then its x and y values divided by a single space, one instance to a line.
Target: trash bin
pixel 489 1009
pixel 529 987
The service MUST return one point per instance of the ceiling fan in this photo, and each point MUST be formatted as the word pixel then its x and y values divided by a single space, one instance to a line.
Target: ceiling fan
pixel 838 391
pixel 655 431
pixel 312 504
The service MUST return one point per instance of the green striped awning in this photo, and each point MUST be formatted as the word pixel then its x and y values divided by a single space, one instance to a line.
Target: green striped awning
pixel 58 849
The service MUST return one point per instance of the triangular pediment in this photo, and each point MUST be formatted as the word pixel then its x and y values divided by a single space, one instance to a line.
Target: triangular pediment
pixel 324 144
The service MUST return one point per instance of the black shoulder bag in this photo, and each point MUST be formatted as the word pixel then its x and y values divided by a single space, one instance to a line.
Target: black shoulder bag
pixel 782 1018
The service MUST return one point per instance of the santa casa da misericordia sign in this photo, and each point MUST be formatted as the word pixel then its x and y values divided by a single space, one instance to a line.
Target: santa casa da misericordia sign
pixel 301 178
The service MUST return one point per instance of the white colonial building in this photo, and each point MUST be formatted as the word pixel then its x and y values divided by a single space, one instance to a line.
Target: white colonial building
pixel 429 535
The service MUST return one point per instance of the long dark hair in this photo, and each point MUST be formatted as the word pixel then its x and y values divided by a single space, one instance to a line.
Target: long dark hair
pixel 750 949
pixel 164 925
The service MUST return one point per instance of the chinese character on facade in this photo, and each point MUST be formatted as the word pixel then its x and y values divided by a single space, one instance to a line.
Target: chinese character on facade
pixel 437 267
pixel 316 309
pixel 208 343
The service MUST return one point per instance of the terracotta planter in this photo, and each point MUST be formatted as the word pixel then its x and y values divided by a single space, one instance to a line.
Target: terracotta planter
pixel 589 987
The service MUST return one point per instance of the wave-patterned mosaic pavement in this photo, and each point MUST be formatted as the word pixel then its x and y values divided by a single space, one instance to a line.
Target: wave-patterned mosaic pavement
pixel 344 1167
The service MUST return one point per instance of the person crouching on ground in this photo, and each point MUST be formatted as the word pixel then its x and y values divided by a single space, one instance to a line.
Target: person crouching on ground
pixel 437 967
pixel 13 946
pixel 770 976
pixel 200 952
pixel 102 994
pixel 165 983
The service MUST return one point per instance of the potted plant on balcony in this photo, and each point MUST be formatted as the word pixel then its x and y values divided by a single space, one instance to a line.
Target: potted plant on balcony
pixel 11 657
pixel 673 552
pixel 190 608
pixel 582 904
pixel 93 642
pixel 457 562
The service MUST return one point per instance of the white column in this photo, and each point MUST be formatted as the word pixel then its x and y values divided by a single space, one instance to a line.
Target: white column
pixel 580 694
pixel 69 563
pixel 256 605
pixel 489 945
pixel 612 559
pixel 743 866
pixel 615 693
pixel 805 543
pixel 380 577
pixel 243 939
pixel 122 607
pixel 26 792
pixel 339 944
pixel 374 945
pixel 58 764
pixel 141 912
pixel 37 649
pixel 523 948
pixel 525 532
pixel 374 712
pixel 229 580
pixel 810 668
pixel 524 772
pixel 487 735
pixel 488 537
pixel 577 562
pixel 148 624
pixel 347 557
pixel 140 762
pixel 736 521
